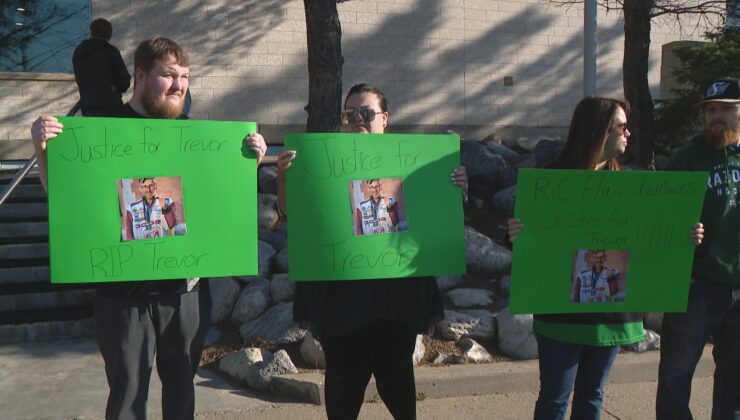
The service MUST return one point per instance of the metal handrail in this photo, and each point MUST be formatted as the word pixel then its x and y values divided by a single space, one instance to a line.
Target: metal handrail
pixel 21 174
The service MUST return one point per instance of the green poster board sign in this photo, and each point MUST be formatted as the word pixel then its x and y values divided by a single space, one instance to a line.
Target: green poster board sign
pixel 602 241
pixel 339 230
pixel 204 220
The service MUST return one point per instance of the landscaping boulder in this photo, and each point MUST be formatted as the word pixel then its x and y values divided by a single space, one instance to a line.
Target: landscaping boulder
pixel 515 336
pixel 224 293
pixel 483 255
pixel 475 323
pixel 468 297
pixel 253 300
pixel 276 325
pixel 281 289
pixel 474 352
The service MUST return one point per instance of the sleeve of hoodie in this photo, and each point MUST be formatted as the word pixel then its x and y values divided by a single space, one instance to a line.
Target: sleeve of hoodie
pixel 121 77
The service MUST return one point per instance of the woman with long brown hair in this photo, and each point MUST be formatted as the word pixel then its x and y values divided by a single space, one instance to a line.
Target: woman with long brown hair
pixel 576 351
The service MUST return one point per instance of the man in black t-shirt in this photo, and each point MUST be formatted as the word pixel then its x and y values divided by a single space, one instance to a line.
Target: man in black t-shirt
pixel 135 322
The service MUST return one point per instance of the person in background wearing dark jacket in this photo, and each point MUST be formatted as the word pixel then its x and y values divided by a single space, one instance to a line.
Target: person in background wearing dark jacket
pixel 100 72
pixel 713 308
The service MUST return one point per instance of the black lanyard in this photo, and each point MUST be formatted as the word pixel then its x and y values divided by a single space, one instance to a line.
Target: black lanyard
pixel 148 209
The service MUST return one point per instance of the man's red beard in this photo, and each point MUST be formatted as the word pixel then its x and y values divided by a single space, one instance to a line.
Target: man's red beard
pixel 161 108
pixel 722 137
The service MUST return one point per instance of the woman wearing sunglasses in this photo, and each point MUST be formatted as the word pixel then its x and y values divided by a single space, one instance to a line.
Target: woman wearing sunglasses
pixel 576 351
pixel 367 327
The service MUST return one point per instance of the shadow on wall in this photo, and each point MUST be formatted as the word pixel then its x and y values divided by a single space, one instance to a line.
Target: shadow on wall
pixel 435 72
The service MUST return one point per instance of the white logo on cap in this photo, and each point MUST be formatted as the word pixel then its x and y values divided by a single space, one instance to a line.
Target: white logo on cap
pixel 717 88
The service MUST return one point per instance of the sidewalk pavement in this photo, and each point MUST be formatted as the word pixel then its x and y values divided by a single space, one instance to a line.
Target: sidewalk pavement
pixel 65 379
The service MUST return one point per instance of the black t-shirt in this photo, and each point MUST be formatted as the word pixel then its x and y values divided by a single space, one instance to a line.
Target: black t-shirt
pixel 147 287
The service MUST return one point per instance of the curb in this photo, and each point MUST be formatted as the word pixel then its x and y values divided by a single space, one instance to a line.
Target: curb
pixel 483 379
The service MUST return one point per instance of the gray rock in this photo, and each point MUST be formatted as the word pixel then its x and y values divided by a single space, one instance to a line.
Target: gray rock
pixel 281 261
pixel 235 365
pixel 515 336
pixel 265 256
pixel 212 337
pixel 651 341
pixel 468 297
pixel 278 239
pixel 419 349
pixel 267 216
pixel 281 289
pixel 530 142
pixel 276 325
pixel 474 352
pixel 267 179
pixel 474 323
pixel 505 285
pixel 224 293
pixel 252 302
pixel 260 374
pixel 483 255
pixel 525 162
pixel 503 201
pixel 445 283
pixel 440 359
pixel 487 171
pixel 312 353
pixel 246 279
pixel 548 150
pixel 653 321
pixel 501 150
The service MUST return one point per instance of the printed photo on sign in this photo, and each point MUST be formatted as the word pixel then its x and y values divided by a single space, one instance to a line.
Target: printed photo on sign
pixel 151 208
pixel 599 275
pixel 377 206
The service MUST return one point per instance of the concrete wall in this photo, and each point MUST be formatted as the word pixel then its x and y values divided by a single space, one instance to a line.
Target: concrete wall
pixel 441 63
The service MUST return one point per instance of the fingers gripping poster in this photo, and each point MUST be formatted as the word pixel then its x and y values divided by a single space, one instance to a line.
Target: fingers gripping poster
pixel 142 199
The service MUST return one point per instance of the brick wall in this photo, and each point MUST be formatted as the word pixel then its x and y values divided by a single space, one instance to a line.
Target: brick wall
pixel 441 63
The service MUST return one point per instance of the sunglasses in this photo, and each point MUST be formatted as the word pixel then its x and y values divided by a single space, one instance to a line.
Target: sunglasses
pixel 350 115
pixel 620 128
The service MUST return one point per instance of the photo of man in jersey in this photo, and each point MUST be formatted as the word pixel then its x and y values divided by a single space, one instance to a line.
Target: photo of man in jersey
pixel 599 276
pixel 376 211
pixel 149 214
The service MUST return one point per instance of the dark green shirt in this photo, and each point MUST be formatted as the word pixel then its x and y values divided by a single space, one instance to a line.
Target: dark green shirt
pixel 716 259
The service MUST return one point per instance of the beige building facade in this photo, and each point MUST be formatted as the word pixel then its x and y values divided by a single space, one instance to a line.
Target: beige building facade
pixel 442 63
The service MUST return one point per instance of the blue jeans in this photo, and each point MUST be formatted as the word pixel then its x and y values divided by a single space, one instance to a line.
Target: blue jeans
pixel 565 366
pixel 713 309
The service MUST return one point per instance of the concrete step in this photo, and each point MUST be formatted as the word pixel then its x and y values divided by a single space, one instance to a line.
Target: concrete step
pixel 47 330
pixel 47 300
pixel 24 275
pixel 22 230
pixel 20 212
pixel 26 193
pixel 24 251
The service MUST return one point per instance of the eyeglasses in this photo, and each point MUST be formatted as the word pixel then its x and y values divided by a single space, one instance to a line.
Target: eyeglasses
pixel 149 187
pixel 350 115
pixel 620 128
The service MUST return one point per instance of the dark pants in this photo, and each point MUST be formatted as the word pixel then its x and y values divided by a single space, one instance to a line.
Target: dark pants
pixel 577 367
pixel 130 331
pixel 713 309
pixel 384 349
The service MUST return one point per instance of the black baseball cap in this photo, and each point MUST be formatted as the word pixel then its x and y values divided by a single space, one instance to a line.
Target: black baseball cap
pixel 723 90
